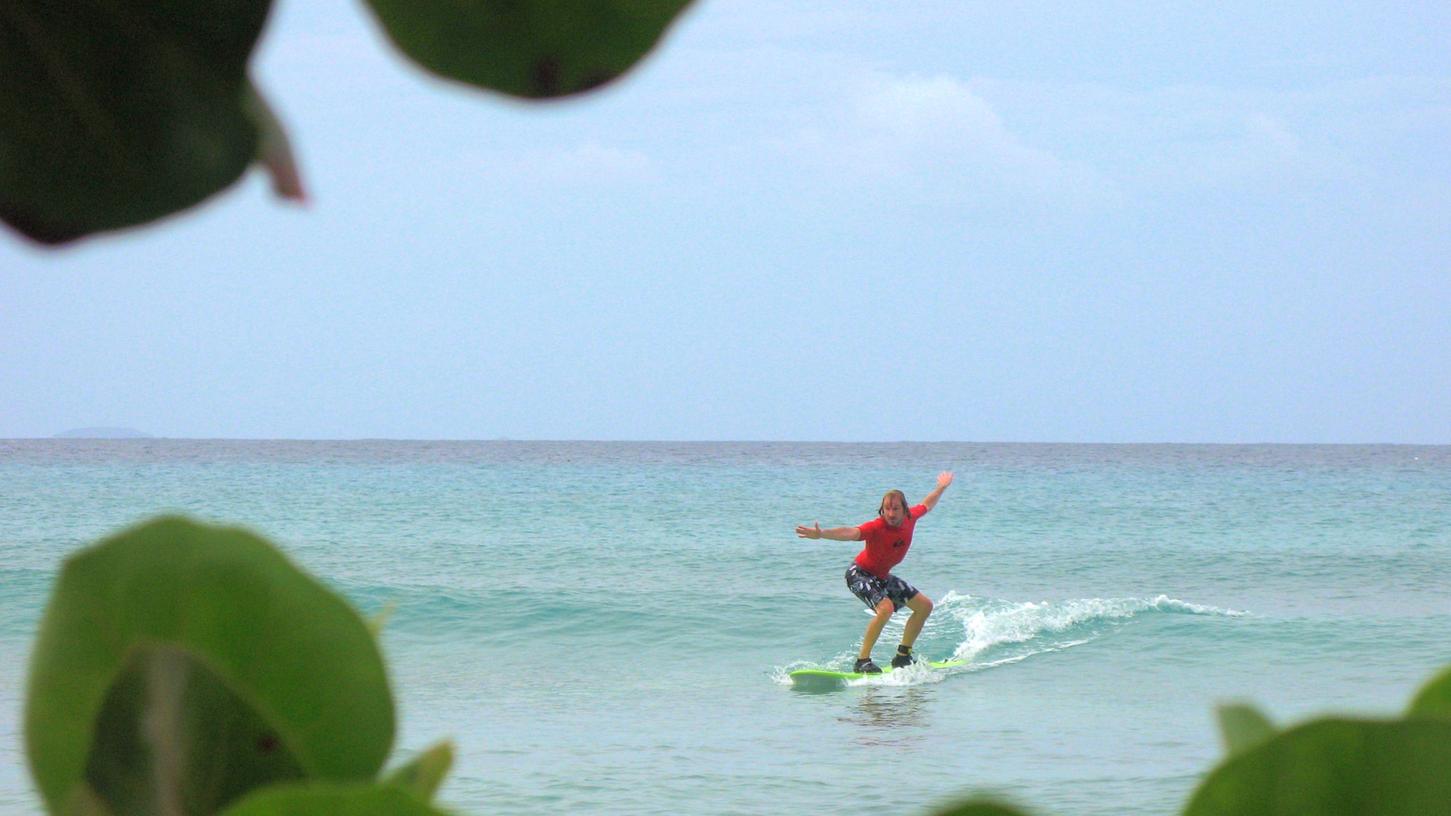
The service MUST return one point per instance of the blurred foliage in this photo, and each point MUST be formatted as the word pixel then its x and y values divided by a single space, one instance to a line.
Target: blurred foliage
pixel 1333 767
pixel 980 807
pixel 114 113
pixel 118 113
pixel 355 800
pixel 1434 699
pixel 1325 767
pixel 180 667
pixel 183 668
pixel 1243 726
pixel 189 669
pixel 532 50
pixel 425 773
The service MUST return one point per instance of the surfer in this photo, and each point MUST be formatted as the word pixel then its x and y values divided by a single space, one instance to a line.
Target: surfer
pixel 887 537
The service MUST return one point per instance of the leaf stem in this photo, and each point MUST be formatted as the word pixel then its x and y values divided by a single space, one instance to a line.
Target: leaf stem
pixel 166 678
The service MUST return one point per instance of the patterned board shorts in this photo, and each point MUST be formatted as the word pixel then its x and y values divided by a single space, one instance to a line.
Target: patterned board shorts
pixel 872 589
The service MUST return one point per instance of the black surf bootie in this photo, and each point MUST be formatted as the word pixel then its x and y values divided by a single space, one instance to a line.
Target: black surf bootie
pixel 866 666
pixel 904 657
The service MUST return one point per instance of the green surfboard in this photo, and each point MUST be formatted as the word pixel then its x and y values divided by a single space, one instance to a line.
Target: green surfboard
pixel 827 678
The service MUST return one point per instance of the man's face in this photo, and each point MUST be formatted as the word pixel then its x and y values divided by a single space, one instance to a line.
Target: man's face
pixel 893 511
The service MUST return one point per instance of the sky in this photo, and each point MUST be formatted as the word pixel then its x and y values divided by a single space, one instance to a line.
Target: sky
pixel 815 221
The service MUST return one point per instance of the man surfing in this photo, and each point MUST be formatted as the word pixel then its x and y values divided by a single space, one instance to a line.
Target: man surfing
pixel 870 578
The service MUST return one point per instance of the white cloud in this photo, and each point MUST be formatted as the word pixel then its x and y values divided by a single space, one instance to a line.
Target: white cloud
pixel 1242 149
pixel 937 134
pixel 1207 137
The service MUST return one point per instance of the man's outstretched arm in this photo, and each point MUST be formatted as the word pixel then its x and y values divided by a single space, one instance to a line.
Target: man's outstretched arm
pixel 833 533
pixel 943 480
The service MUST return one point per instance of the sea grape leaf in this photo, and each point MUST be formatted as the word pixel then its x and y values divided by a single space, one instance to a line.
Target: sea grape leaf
pixel 118 112
pixel 1434 698
pixel 332 800
pixel 173 738
pixel 274 149
pixel 84 802
pixel 1335 767
pixel 424 774
pixel 527 48
pixel 1243 726
pixel 378 621
pixel 979 807
pixel 300 658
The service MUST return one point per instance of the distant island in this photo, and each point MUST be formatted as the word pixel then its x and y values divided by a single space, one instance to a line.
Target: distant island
pixel 102 433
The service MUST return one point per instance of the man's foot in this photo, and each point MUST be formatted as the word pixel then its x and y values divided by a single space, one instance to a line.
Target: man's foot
pixel 866 666
pixel 904 657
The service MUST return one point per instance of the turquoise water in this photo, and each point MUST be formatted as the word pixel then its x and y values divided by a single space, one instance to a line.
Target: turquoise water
pixel 607 626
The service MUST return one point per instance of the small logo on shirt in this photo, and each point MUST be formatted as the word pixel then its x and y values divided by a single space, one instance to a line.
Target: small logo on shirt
pixel 899 542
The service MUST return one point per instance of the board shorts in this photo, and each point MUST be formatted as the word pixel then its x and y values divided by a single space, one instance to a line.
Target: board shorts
pixel 872 589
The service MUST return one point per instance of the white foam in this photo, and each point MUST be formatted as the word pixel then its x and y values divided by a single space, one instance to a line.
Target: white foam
pixel 913 675
pixel 987 623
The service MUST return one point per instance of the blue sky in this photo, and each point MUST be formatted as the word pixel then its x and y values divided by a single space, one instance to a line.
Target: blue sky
pixel 1103 222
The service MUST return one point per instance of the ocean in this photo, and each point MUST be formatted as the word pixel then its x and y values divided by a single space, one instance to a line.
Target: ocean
pixel 607 628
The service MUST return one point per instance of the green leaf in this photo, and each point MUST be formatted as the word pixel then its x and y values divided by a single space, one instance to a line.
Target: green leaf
pixel 1243 726
pixel 173 738
pixel 274 149
pixel 527 48
pixel 172 628
pixel 424 774
pixel 1335 767
pixel 979 807
pixel 326 800
pixel 1434 698
pixel 117 113
pixel 379 620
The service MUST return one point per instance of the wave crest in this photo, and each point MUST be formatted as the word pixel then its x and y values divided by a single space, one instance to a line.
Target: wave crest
pixel 991 625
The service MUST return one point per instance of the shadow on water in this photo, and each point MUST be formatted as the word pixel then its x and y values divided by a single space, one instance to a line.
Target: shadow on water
pixel 889 716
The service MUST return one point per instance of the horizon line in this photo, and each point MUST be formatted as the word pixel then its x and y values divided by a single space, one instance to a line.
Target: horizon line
pixel 704 441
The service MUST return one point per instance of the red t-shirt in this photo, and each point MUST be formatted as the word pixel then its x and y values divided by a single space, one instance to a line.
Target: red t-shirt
pixel 886 546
